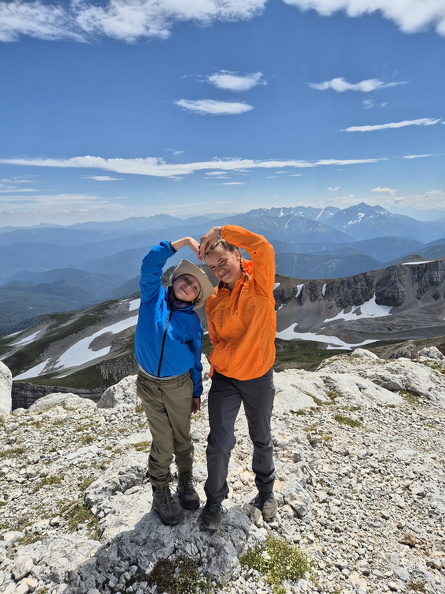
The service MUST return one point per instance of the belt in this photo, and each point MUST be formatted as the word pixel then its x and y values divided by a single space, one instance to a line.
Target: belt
pixel 161 379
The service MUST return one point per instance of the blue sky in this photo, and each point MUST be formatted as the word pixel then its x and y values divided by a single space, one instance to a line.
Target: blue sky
pixel 137 107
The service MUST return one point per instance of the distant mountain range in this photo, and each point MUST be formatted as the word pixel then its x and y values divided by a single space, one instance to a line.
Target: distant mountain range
pixel 88 348
pixel 51 268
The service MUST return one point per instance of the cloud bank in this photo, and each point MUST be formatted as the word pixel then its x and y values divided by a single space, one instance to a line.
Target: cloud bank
pixel 158 168
pixel 82 20
pixel 410 16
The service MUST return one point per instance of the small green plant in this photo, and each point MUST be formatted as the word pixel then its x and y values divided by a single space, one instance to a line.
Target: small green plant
pixel 347 421
pixel 58 422
pixel 37 424
pixel 48 480
pixel 141 446
pixel 410 397
pixel 313 427
pixel 28 539
pixel 86 483
pixel 86 439
pixel 277 561
pixel 12 452
pixel 299 413
pixel 176 576
pixel 84 427
pixel 416 586
pixel 332 394
pixel 78 513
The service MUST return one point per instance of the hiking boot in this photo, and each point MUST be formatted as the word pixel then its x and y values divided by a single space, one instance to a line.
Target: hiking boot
pixel 266 502
pixel 188 496
pixel 211 515
pixel 170 511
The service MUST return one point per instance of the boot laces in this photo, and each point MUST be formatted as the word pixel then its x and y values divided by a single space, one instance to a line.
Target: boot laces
pixel 186 481
pixel 166 496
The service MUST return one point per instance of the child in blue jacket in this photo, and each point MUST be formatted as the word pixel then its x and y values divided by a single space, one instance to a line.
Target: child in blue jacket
pixel 168 351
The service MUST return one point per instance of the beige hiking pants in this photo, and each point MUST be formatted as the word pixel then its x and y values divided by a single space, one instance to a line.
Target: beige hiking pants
pixel 167 405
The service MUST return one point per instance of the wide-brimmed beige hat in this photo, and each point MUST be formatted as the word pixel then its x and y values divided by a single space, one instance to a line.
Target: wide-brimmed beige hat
pixel 186 267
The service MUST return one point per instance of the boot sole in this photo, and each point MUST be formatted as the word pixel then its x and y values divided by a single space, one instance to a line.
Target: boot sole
pixel 168 522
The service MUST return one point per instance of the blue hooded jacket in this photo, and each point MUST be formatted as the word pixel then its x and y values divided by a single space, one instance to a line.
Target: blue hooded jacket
pixel 167 341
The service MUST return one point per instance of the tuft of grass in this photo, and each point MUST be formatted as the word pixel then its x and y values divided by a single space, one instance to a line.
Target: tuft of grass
pixel 333 394
pixel 48 480
pixel 410 397
pixel 277 561
pixel 175 576
pixel 77 513
pixel 86 439
pixel 299 413
pixel 142 446
pixel 416 586
pixel 86 483
pixel 347 421
pixel 12 452
pixel 85 427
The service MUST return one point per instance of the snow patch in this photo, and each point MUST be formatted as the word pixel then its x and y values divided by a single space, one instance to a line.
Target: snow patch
pixel 81 353
pixel 33 372
pixel 299 289
pixel 134 304
pixel 369 309
pixel 26 339
pixel 332 341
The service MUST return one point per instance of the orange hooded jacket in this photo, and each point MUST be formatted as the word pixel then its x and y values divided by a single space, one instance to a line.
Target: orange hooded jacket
pixel 242 322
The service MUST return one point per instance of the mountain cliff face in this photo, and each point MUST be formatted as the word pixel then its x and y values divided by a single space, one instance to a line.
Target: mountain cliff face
pixel 398 303
pixel 402 301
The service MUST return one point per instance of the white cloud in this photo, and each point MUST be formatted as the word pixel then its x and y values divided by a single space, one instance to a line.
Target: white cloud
pixel 419 122
pixel 232 81
pixel 211 107
pixel 128 21
pixel 158 168
pixel 370 104
pixel 409 15
pixel 233 183
pixel 420 156
pixel 36 19
pixel 384 190
pixel 124 20
pixel 336 189
pixel 365 86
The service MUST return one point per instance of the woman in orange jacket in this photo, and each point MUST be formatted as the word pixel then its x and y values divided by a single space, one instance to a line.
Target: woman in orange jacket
pixel 241 322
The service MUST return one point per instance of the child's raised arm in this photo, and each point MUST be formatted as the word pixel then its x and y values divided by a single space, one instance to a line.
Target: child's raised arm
pixel 186 241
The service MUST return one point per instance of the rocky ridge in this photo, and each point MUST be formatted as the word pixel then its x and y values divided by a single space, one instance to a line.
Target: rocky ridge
pixel 360 457
pixel 410 296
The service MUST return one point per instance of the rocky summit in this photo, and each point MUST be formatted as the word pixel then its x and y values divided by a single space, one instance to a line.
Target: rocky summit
pixel 359 453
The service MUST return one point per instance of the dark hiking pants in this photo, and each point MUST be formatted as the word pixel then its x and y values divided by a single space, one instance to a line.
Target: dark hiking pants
pixel 224 402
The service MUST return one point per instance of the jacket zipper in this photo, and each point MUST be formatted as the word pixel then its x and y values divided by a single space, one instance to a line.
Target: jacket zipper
pixel 161 356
